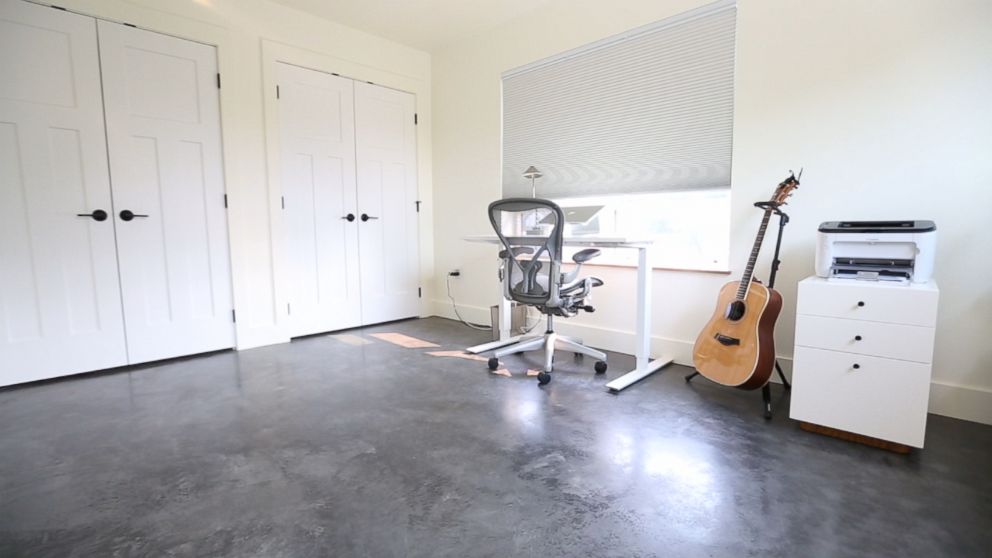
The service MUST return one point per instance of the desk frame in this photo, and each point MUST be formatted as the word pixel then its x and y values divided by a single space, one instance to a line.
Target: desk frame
pixel 644 366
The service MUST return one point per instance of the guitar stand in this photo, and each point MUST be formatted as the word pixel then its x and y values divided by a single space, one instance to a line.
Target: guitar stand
pixel 783 220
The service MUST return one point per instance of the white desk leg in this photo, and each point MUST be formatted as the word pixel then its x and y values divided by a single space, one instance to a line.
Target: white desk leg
pixel 505 317
pixel 505 306
pixel 644 366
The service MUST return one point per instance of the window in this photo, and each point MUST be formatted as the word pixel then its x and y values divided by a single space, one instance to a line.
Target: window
pixel 690 229
pixel 639 125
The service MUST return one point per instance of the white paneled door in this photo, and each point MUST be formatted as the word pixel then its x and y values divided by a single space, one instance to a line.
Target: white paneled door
pixel 386 154
pixel 60 306
pixel 317 141
pixel 349 179
pixel 163 135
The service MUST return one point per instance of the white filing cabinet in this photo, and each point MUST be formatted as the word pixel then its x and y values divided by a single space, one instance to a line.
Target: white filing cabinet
pixel 863 357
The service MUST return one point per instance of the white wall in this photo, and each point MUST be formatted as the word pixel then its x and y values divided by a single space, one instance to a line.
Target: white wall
pixel 885 104
pixel 250 36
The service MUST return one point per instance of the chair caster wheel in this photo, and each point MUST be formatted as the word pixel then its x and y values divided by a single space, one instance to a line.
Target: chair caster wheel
pixel 543 378
pixel 493 363
pixel 600 367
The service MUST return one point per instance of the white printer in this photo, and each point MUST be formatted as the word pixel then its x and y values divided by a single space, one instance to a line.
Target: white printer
pixel 877 250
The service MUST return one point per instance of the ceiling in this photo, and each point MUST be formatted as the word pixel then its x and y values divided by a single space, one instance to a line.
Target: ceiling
pixel 422 24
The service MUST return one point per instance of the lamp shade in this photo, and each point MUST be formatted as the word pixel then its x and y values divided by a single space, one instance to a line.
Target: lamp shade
pixel 532 172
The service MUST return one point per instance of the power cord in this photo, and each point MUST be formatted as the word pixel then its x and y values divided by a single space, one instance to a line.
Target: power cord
pixel 527 329
pixel 447 281
pixel 524 330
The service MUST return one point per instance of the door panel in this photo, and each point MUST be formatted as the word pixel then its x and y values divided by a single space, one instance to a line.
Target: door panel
pixel 386 151
pixel 317 138
pixel 163 130
pixel 60 307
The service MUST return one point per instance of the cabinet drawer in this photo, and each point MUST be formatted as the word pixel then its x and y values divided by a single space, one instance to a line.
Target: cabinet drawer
pixel 901 304
pixel 905 342
pixel 881 398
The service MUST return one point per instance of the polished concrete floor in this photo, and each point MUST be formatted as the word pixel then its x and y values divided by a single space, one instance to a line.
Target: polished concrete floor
pixel 326 448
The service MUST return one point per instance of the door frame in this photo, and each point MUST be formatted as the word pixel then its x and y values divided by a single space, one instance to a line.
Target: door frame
pixel 275 52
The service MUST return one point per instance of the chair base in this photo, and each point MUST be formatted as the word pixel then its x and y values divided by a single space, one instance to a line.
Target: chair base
pixel 551 342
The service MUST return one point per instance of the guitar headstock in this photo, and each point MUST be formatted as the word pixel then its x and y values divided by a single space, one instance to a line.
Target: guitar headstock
pixel 785 188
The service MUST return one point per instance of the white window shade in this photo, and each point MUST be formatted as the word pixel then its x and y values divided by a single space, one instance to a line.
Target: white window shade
pixel 646 111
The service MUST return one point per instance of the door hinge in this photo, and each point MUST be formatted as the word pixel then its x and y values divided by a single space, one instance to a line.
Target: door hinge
pixel 418 205
pixel 277 92
pixel 420 292
pixel 289 309
pixel 282 200
pixel 234 317
pixel 414 118
pixel 225 201
pixel 218 80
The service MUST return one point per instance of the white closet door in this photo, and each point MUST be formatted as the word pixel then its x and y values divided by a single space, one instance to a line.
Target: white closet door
pixel 60 310
pixel 386 150
pixel 163 130
pixel 317 137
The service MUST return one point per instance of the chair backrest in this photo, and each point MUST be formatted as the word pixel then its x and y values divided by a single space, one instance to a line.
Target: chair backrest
pixel 531 231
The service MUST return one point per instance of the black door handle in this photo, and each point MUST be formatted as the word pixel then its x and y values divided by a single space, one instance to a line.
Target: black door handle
pixel 349 217
pixel 97 215
pixel 367 217
pixel 127 215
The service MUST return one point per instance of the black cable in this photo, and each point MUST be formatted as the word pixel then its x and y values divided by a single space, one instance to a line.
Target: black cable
pixel 454 307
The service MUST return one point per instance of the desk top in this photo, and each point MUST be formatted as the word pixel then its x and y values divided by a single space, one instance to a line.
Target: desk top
pixel 584 240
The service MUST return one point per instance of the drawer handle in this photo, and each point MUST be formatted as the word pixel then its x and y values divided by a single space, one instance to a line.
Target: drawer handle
pixel 856 366
pixel 861 303
pixel 857 338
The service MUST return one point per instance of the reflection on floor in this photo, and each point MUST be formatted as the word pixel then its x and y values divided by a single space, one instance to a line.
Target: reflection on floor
pixel 328 446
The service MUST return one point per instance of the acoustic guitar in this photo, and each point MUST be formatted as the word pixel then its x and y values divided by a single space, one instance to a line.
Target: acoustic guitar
pixel 736 348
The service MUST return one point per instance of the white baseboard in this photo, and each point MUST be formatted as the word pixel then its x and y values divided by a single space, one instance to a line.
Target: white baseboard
pixel 961 402
pixel 950 400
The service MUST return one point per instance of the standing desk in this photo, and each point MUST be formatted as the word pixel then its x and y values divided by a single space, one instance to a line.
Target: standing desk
pixel 644 366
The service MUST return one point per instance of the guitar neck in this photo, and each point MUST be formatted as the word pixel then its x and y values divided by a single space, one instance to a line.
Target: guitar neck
pixel 749 271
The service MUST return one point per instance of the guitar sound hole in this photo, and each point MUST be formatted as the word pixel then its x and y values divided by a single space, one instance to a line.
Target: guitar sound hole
pixel 735 310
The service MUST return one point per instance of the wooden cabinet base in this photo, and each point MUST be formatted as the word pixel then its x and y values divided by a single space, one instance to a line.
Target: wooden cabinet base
pixel 852 437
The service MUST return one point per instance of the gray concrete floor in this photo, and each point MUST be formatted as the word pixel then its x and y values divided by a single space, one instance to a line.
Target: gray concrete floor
pixel 321 448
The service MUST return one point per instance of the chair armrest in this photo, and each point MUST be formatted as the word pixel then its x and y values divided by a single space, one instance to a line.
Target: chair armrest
pixel 589 282
pixel 582 256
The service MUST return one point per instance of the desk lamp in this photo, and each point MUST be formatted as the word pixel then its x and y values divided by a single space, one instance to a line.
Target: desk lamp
pixel 533 174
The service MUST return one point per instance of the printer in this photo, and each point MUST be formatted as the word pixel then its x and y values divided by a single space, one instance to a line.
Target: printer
pixel 877 250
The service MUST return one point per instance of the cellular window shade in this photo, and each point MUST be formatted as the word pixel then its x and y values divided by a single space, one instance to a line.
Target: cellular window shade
pixel 649 110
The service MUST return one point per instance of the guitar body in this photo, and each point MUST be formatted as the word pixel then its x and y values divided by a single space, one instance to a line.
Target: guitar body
pixel 740 353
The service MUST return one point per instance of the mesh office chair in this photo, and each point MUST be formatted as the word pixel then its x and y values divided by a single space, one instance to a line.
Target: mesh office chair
pixel 531 231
